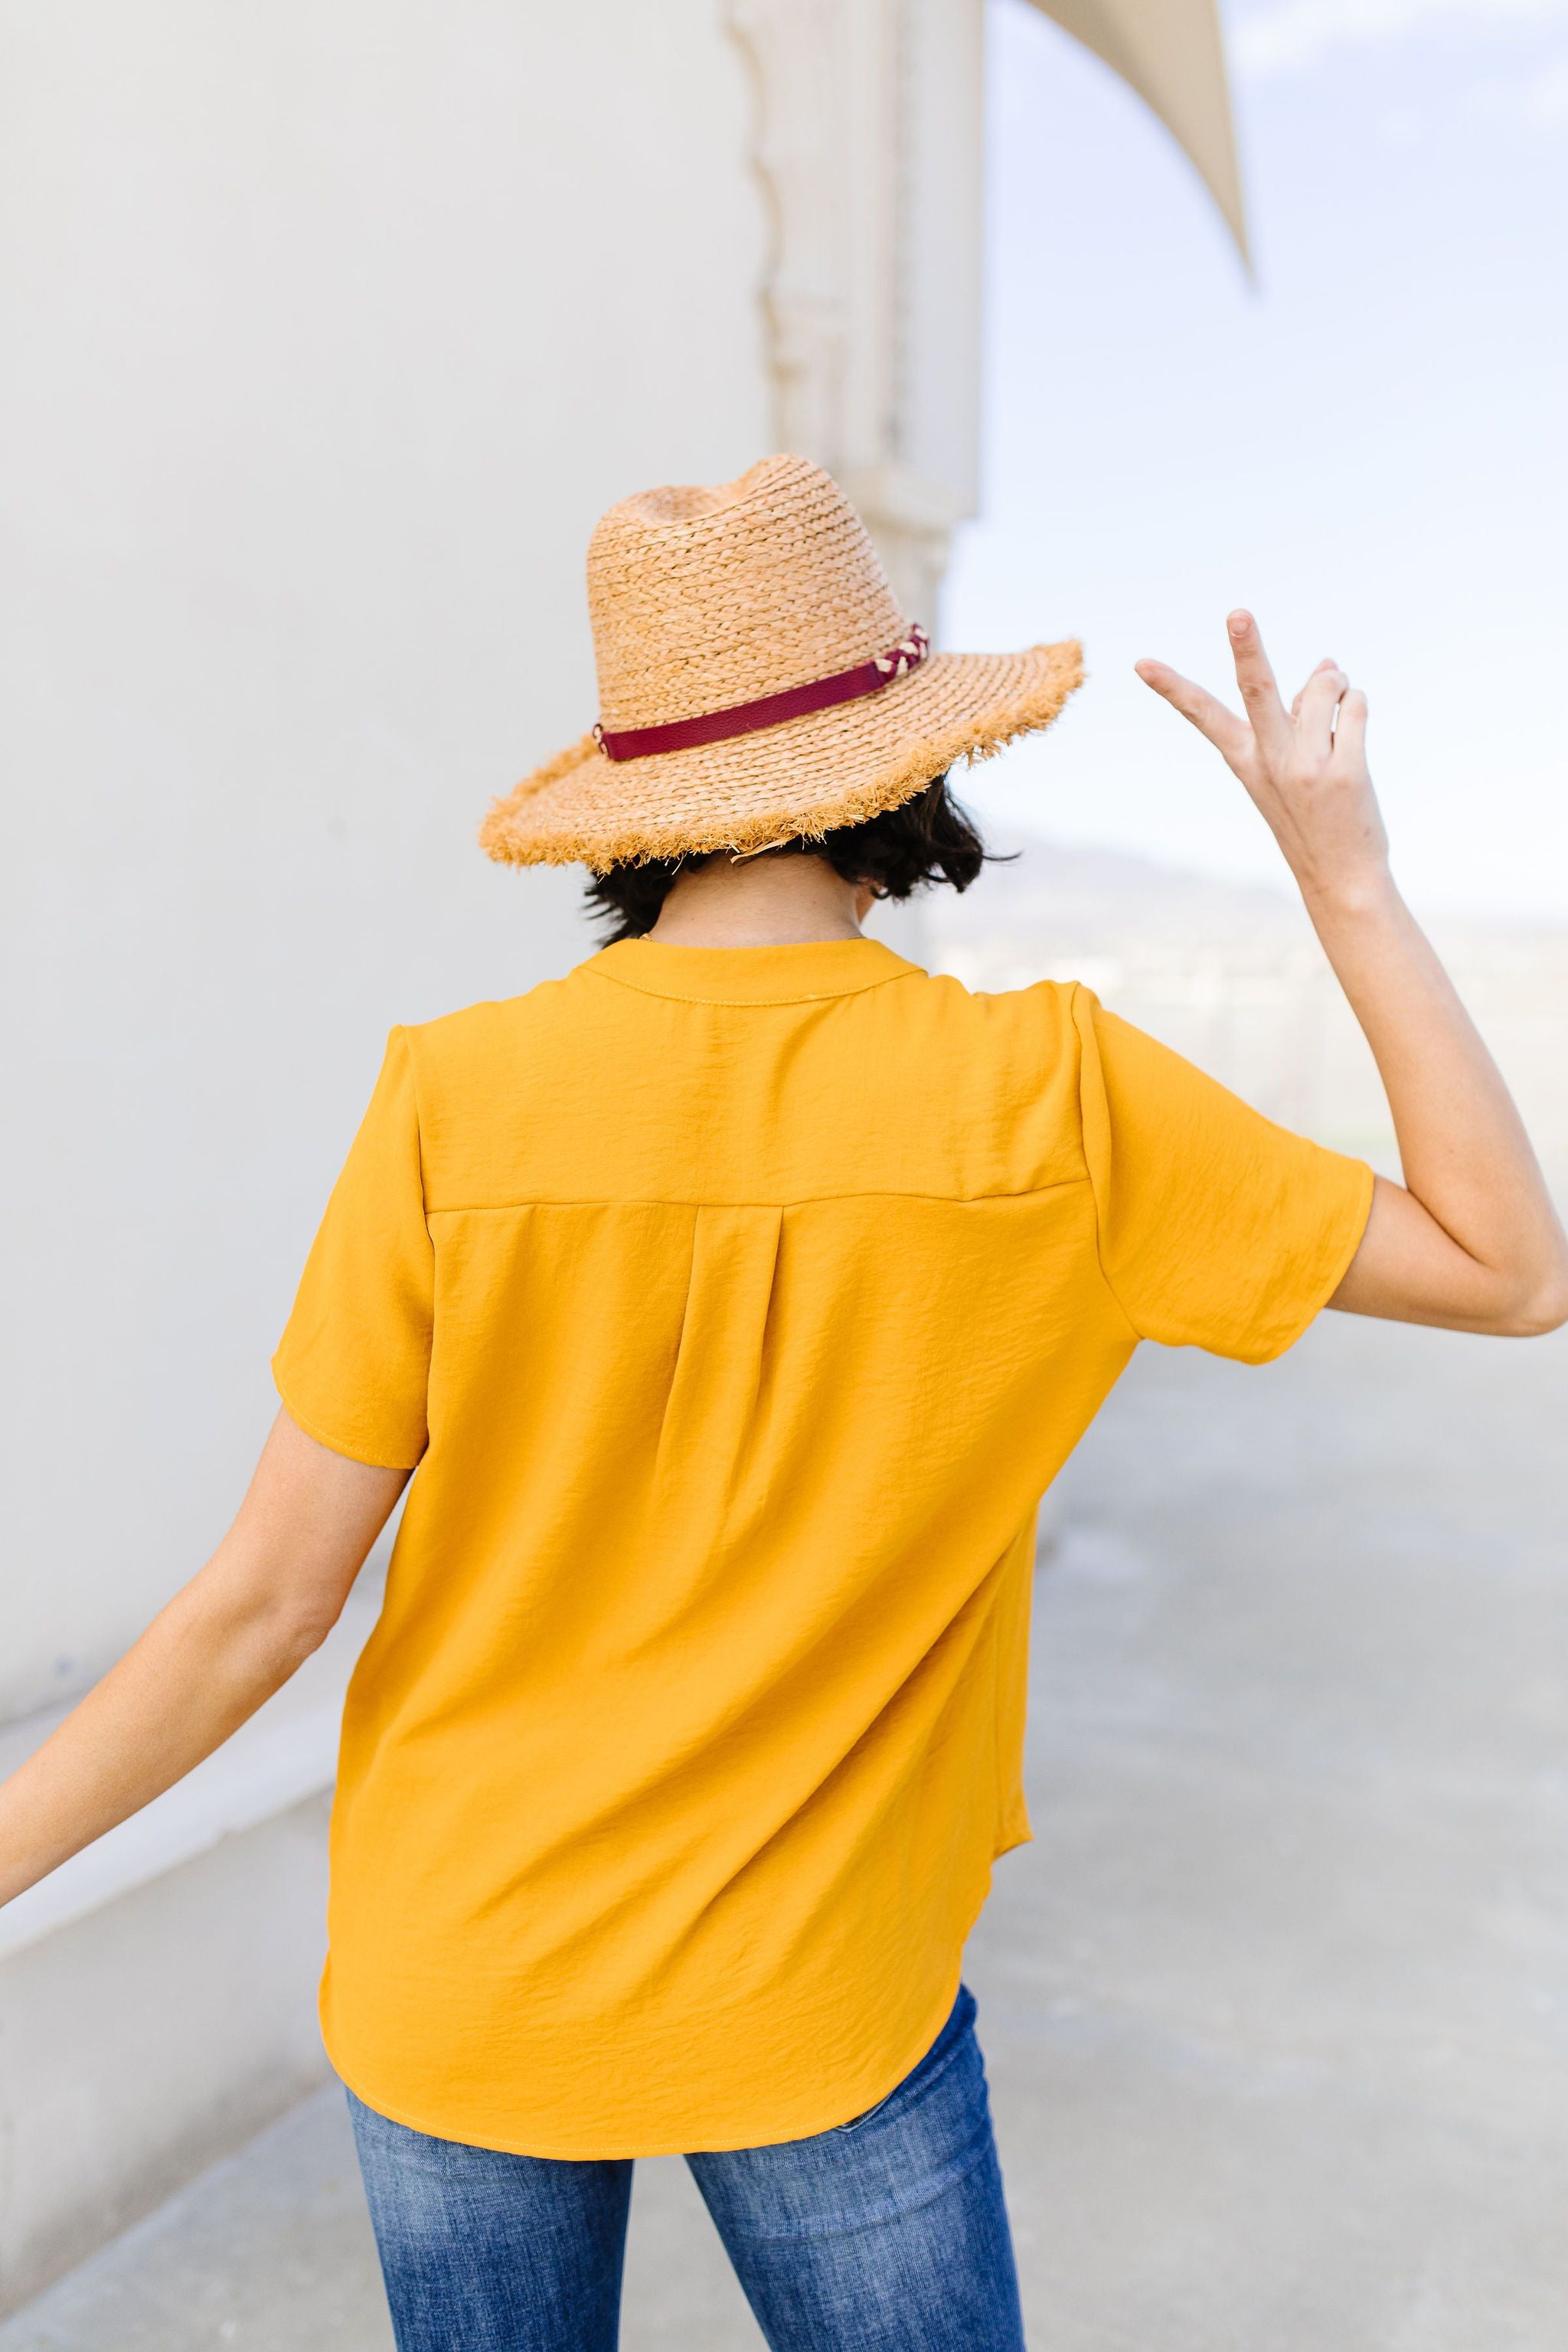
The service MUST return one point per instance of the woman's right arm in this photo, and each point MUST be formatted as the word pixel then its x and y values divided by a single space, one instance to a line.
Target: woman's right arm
pixel 268 1596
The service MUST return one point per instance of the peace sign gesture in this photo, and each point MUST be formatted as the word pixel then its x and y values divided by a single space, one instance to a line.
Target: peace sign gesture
pixel 1470 1240
pixel 1305 767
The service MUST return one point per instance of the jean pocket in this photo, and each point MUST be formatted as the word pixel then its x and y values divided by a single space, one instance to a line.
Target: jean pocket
pixel 960 2020
pixel 868 2114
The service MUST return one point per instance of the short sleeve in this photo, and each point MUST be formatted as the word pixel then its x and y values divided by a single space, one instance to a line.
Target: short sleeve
pixel 354 1362
pixel 1217 1229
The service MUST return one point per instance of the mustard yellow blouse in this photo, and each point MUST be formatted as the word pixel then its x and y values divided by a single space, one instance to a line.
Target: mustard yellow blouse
pixel 736 1304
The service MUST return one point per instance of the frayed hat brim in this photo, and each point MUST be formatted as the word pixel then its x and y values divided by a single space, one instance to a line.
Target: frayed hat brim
pixel 802 779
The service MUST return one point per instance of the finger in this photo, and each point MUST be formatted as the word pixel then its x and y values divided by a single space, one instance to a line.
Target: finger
pixel 1328 662
pixel 1270 722
pixel 1350 735
pixel 1230 736
pixel 1317 703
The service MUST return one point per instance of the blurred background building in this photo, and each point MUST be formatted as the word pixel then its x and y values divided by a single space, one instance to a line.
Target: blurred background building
pixel 329 333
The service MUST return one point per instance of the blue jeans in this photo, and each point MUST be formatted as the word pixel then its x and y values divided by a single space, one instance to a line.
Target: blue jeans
pixel 888 2234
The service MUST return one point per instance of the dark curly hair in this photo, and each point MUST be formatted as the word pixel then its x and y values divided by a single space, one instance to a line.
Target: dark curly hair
pixel 929 839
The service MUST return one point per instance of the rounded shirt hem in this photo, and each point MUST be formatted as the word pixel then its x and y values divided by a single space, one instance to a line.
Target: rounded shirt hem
pixel 590 2149
pixel 586 2149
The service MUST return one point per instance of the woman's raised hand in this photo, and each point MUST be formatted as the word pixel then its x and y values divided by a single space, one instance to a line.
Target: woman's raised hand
pixel 1470 1240
pixel 1305 767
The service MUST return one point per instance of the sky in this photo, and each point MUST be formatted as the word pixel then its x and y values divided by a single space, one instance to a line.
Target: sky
pixel 1364 443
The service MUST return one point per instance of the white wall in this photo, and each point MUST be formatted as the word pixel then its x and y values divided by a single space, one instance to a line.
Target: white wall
pixel 144 2042
pixel 327 334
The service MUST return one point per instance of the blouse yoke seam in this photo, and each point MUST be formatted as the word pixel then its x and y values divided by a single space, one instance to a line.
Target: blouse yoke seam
pixel 798 1200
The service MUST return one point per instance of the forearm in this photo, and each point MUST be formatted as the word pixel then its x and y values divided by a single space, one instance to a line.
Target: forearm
pixel 267 1597
pixel 205 1664
pixel 1464 1152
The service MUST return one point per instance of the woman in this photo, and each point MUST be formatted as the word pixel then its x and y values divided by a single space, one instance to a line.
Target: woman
pixel 736 1299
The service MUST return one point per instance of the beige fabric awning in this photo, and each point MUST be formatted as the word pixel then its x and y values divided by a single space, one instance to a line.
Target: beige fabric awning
pixel 1171 53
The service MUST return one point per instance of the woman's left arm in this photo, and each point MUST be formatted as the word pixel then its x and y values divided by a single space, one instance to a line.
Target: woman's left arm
pixel 268 1596
pixel 1470 1240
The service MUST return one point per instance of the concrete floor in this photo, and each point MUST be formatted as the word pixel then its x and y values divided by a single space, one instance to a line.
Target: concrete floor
pixel 1275 2008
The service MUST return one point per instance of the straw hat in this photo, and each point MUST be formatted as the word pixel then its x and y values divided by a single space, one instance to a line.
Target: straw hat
pixel 757 681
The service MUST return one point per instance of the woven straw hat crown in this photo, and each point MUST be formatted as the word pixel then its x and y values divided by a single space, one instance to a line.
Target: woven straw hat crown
pixel 700 598
pixel 758 683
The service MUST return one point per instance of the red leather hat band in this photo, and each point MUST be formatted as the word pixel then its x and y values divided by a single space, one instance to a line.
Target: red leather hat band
pixel 769 710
